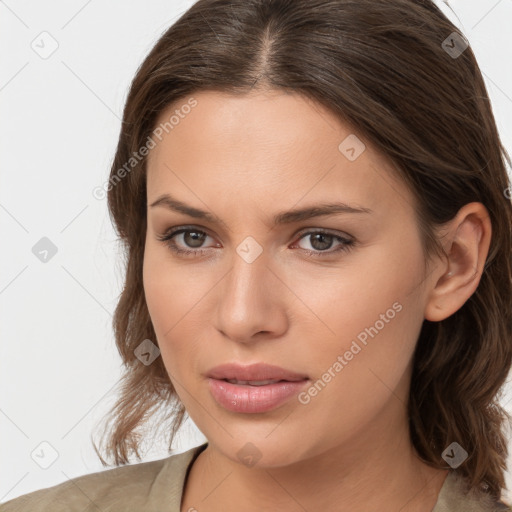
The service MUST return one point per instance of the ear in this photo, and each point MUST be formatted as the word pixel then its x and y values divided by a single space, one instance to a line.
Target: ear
pixel 468 238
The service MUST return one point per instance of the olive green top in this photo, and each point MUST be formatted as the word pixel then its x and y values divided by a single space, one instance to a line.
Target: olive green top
pixel 157 486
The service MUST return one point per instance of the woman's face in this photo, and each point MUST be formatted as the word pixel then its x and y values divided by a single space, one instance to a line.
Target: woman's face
pixel 337 299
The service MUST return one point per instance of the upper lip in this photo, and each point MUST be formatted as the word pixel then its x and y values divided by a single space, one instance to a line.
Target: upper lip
pixel 254 372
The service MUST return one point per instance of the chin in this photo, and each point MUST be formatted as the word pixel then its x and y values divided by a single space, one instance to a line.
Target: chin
pixel 264 450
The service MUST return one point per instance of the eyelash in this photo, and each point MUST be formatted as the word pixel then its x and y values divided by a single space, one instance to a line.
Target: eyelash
pixel 167 239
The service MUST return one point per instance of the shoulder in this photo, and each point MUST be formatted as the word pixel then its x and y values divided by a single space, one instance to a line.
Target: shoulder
pixel 143 486
pixel 455 496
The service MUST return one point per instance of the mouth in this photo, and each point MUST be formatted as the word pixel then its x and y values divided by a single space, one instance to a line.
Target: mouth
pixel 255 397
pixel 255 382
pixel 258 374
pixel 255 388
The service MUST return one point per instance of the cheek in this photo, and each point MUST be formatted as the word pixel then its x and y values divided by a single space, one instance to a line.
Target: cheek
pixel 372 291
pixel 369 315
pixel 362 369
pixel 173 297
pixel 169 290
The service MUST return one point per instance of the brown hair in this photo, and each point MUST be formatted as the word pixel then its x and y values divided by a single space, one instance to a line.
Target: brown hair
pixel 381 66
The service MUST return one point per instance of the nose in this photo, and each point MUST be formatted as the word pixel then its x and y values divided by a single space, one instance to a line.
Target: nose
pixel 252 301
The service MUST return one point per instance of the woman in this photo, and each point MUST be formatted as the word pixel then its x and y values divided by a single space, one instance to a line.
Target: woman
pixel 314 204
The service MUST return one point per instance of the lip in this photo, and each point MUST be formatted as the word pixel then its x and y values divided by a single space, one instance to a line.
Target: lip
pixel 246 398
pixel 256 371
pixel 253 399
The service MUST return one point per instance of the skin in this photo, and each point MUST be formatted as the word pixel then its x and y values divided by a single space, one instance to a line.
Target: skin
pixel 244 159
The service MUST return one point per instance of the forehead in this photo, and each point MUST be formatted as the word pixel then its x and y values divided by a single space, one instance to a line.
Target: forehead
pixel 266 144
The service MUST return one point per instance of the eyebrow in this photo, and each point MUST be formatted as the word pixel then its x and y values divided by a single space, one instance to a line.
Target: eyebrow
pixel 285 217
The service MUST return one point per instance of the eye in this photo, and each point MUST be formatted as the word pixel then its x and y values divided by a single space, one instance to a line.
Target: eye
pixel 188 235
pixel 192 239
pixel 323 240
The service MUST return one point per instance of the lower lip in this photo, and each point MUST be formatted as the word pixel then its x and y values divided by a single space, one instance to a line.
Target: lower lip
pixel 253 399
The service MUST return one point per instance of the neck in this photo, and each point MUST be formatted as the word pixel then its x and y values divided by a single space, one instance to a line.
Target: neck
pixel 375 467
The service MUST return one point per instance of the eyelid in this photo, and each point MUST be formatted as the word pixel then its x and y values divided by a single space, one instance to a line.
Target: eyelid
pixel 327 231
pixel 175 230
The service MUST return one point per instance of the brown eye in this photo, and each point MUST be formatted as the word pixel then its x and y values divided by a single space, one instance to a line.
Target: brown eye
pixel 320 241
pixel 191 242
pixel 194 238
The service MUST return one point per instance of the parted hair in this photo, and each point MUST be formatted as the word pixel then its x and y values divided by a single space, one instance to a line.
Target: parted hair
pixel 385 67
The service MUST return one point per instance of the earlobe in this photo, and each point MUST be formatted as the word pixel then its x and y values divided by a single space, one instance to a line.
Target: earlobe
pixel 469 239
